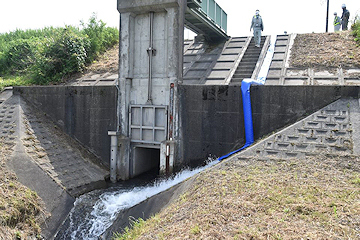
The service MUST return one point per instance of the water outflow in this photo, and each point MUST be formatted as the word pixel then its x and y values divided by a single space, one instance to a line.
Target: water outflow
pixel 96 211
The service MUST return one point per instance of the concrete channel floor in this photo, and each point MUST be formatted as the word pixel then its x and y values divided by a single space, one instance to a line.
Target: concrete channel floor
pixel 45 159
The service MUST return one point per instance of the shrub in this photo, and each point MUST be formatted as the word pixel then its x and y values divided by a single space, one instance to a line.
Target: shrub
pixel 62 55
pixel 101 37
pixel 20 54
pixel 356 29
pixel 50 54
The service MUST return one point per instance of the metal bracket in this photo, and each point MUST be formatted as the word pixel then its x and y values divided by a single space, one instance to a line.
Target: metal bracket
pixel 151 51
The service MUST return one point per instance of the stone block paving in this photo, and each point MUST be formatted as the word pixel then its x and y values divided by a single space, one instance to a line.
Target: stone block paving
pixel 61 157
pixel 329 130
pixel 8 124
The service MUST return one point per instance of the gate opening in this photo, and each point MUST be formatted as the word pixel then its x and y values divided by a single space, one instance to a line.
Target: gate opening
pixel 145 160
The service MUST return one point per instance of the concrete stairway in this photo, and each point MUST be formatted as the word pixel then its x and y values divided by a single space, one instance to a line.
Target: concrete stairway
pixel 198 60
pixel 278 64
pixel 332 130
pixel 212 64
pixel 227 61
pixel 248 62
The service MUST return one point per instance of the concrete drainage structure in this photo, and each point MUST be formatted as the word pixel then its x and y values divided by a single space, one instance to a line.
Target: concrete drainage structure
pixel 173 104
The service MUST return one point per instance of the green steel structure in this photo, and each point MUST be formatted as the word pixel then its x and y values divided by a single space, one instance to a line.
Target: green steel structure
pixel 206 17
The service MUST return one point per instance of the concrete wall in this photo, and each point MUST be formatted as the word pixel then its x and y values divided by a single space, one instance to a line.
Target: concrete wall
pixel 86 113
pixel 212 116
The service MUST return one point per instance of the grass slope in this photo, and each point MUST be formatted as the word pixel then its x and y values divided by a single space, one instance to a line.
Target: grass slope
pixel 21 210
pixel 316 198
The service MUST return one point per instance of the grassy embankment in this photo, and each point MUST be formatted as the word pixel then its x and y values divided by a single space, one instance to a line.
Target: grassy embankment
pixel 21 210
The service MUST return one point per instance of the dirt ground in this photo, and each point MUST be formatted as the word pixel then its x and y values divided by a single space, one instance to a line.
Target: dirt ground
pixel 325 50
pixel 108 62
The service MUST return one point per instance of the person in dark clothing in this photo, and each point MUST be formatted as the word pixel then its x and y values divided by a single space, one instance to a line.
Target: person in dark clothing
pixel 345 18
pixel 257 25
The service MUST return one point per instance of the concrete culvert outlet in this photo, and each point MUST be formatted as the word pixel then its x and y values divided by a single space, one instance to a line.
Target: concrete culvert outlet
pixel 144 160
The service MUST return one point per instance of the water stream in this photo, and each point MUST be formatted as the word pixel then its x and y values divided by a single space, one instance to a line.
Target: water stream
pixel 96 211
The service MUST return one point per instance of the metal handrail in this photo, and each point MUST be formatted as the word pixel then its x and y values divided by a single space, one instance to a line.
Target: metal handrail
pixel 215 13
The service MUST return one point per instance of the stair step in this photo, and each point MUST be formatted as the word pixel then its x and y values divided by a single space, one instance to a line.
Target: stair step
pixel 240 74
pixel 246 65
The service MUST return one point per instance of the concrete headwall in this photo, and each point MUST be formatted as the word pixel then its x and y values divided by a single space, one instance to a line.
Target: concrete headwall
pixel 86 113
pixel 212 116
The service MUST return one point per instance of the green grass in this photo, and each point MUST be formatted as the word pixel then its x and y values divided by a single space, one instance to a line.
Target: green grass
pixel 133 232
pixel 10 81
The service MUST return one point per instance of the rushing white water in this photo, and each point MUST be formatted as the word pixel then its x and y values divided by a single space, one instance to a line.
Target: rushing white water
pixel 108 205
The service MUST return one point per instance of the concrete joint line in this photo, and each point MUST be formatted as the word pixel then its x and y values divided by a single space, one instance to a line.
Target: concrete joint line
pixel 341 76
pixel 311 76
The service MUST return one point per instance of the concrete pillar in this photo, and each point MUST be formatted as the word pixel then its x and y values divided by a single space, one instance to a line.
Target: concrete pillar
pixel 167 157
pixel 114 150
pixel 166 70
pixel 123 164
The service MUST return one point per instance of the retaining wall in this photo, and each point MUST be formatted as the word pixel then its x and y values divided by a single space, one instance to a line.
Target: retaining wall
pixel 212 116
pixel 86 113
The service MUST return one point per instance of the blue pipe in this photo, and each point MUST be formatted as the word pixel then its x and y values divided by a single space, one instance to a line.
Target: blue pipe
pixel 249 131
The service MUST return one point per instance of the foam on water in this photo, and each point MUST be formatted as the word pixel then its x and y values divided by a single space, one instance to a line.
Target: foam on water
pixel 108 205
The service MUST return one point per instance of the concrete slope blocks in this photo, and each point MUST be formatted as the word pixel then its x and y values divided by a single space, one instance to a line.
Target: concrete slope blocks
pixel 333 130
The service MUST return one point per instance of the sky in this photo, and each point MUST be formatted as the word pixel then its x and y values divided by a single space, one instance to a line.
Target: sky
pixel 304 16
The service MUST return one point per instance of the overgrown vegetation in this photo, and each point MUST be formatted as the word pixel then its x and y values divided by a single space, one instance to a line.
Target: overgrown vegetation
pixel 51 54
pixel 21 210
pixel 314 198
pixel 356 29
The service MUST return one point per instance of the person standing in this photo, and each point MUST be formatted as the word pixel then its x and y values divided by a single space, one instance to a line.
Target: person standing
pixel 257 25
pixel 345 17
pixel 337 22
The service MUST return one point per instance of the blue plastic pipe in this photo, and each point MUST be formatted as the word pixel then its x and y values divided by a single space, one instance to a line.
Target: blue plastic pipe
pixel 249 131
